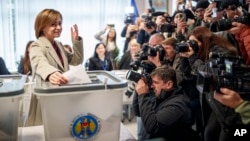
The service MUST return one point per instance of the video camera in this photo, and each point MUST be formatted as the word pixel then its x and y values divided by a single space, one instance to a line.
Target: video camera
pixel 224 71
pixel 184 47
pixel 147 67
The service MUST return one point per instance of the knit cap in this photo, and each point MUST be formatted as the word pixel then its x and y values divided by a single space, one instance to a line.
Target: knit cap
pixel 202 4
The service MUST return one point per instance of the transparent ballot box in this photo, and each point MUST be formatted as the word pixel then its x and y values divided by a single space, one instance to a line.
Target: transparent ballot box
pixel 90 111
pixel 11 93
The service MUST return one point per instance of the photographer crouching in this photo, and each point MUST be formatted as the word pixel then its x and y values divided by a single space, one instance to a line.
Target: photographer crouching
pixel 165 110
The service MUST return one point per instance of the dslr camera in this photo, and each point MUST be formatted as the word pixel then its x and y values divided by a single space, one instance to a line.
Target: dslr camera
pixel 142 62
pixel 225 24
pixel 184 47
pixel 225 71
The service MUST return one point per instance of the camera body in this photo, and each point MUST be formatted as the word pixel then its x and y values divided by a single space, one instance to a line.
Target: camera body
pixel 142 62
pixel 227 72
pixel 149 23
pixel 135 76
pixel 225 24
pixel 184 47
pixel 150 51
pixel 149 19
pixel 129 19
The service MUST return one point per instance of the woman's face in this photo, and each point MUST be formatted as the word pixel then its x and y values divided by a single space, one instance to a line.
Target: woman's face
pixel 53 31
pixel 100 50
pixel 111 33
pixel 195 39
pixel 232 12
pixel 179 17
pixel 134 48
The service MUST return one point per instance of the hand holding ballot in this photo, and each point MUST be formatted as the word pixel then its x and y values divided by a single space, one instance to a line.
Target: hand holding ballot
pixel 77 75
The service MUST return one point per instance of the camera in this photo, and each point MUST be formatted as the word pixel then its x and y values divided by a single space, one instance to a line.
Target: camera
pixel 128 19
pixel 168 28
pixel 225 71
pixel 184 47
pixel 149 23
pixel 135 76
pixel 150 51
pixel 225 24
pixel 142 62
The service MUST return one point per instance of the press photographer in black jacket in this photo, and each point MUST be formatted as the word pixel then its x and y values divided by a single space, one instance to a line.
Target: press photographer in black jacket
pixel 165 110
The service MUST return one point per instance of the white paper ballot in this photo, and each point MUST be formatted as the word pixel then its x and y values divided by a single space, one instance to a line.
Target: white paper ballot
pixel 77 75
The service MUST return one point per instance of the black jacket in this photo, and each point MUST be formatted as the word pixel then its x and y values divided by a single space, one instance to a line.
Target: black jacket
pixel 3 68
pixel 142 37
pixel 168 116
pixel 125 61
pixel 97 64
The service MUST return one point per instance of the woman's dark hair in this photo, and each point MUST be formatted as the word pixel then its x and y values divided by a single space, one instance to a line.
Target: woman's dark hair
pixel 26 58
pixel 226 3
pixel 96 46
pixel 208 38
pixel 113 39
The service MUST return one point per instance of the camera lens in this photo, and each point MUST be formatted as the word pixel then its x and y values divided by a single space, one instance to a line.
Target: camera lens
pixel 152 51
pixel 181 47
pixel 133 76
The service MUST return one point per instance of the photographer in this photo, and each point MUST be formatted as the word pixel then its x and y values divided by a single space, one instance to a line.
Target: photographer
pixel 199 13
pixel 172 58
pixel 165 110
pixel 148 28
pixel 155 40
pixel 160 20
pixel 233 100
pixel 242 36
pixel 178 28
pixel 236 27
pixel 208 43
pixel 129 31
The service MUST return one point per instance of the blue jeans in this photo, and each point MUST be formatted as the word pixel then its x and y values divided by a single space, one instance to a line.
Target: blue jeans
pixel 139 128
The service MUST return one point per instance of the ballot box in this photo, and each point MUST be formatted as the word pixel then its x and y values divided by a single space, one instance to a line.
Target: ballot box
pixel 82 111
pixel 11 92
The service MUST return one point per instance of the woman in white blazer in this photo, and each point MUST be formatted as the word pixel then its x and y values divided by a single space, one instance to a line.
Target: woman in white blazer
pixel 48 56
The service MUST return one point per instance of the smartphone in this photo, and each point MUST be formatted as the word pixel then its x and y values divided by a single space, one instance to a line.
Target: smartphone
pixel 111 25
pixel 214 12
pixel 181 7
